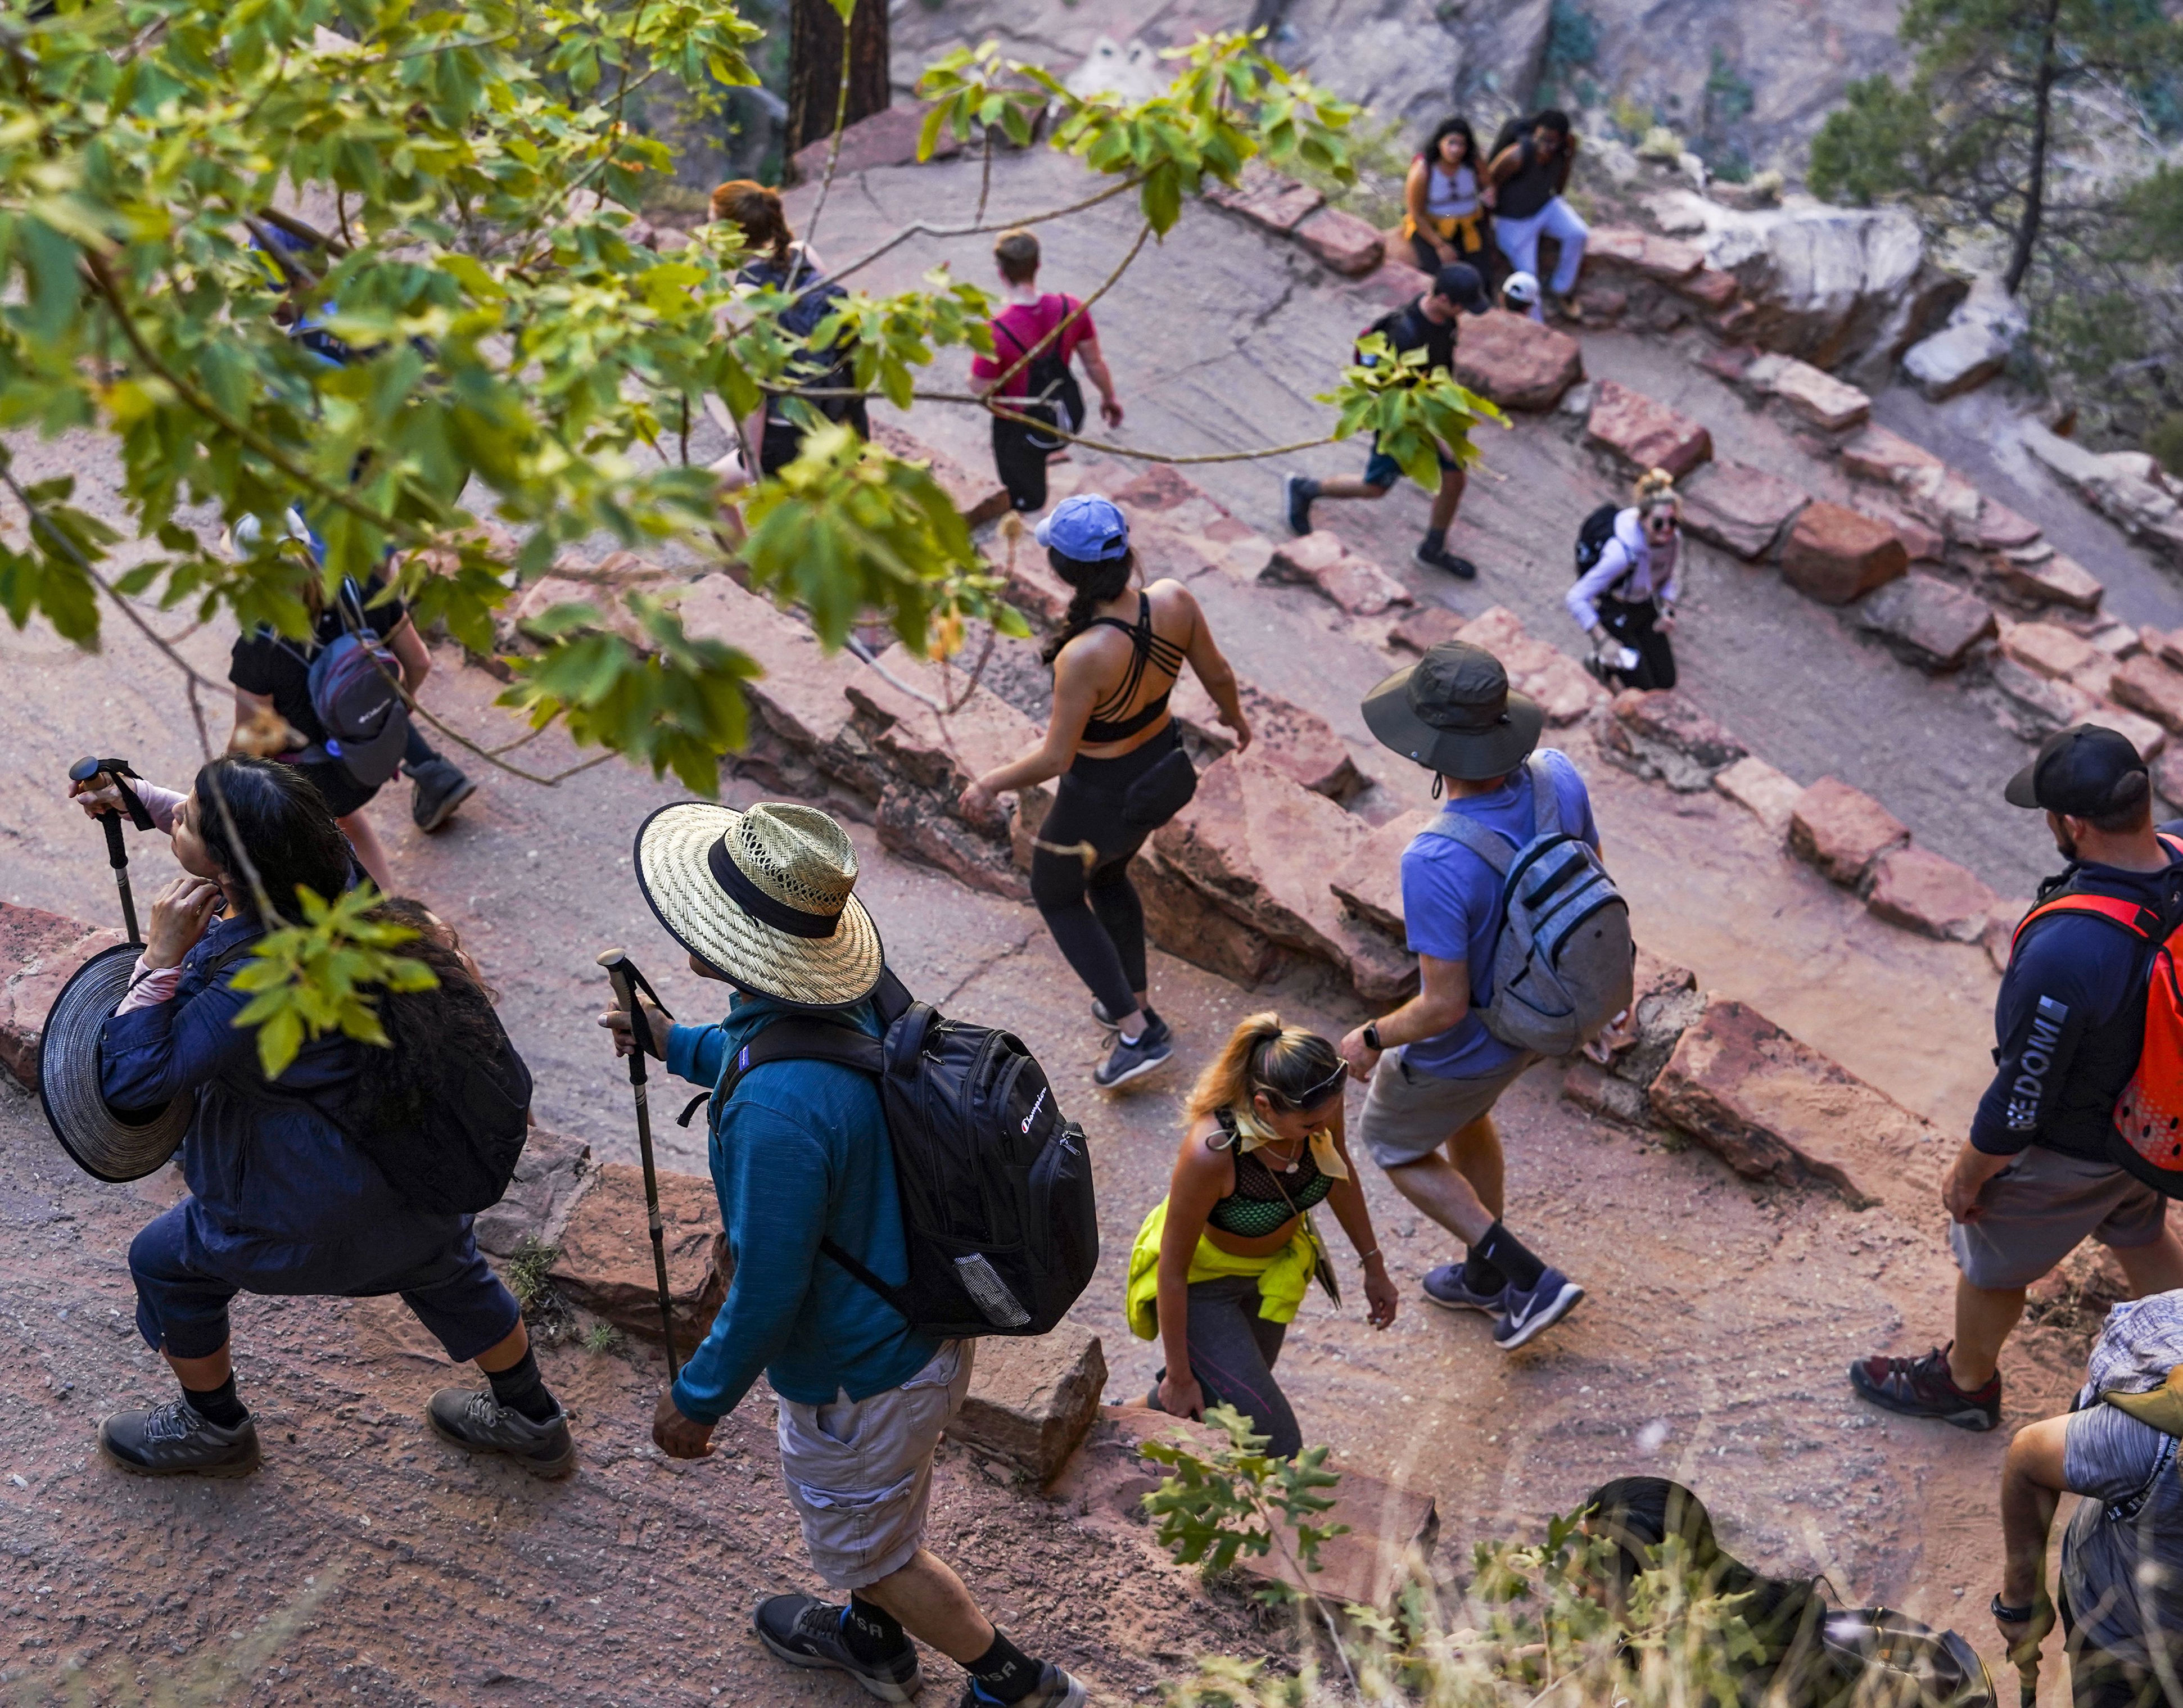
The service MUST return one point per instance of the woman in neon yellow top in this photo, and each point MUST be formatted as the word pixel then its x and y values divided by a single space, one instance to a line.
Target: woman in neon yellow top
pixel 1222 1262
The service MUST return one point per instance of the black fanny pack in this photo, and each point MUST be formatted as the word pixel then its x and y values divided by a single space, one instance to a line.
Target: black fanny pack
pixel 1161 791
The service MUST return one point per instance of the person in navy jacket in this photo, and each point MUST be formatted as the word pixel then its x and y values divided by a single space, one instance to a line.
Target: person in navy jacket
pixel 282 1200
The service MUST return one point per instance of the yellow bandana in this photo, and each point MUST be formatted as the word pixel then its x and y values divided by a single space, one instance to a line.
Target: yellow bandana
pixel 1250 1136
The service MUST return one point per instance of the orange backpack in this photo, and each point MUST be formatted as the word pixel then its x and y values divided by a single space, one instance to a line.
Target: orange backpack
pixel 2148 1115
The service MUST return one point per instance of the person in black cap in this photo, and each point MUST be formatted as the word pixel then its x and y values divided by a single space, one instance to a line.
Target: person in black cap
pixel 1434 1071
pixel 1429 324
pixel 2045 1166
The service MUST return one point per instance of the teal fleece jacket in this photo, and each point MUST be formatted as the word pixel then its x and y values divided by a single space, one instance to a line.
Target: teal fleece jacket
pixel 799 1153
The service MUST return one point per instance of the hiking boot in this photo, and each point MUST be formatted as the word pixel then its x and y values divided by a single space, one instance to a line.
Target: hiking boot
pixel 1922 1387
pixel 1134 1060
pixel 1448 1287
pixel 436 788
pixel 806 1632
pixel 1055 1689
pixel 1297 491
pixel 177 1440
pixel 473 1420
pixel 1440 558
pixel 1527 1315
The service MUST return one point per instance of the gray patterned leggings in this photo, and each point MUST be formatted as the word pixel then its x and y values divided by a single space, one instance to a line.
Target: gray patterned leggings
pixel 1232 1349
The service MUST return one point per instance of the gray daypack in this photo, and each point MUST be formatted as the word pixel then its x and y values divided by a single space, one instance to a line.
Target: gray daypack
pixel 1562 967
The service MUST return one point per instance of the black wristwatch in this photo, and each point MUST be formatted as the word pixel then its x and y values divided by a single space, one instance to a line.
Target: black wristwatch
pixel 2005 1615
pixel 1372 1036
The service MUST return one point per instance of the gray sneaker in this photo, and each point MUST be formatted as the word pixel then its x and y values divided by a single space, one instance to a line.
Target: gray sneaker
pixel 474 1421
pixel 436 788
pixel 806 1632
pixel 177 1440
pixel 1130 1061
pixel 1055 1689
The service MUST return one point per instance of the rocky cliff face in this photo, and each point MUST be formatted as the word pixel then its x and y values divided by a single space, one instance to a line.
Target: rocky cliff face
pixel 1747 81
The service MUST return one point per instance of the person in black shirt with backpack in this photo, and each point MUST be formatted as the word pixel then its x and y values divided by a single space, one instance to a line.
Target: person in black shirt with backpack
pixel 1429 324
pixel 2046 1164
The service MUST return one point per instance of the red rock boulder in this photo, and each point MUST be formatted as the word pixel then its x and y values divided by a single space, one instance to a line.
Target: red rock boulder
pixel 1916 888
pixel 1350 245
pixel 1842 831
pixel 1264 197
pixel 1516 361
pixel 1834 555
pixel 1645 434
pixel 604 1261
pixel 1354 583
pixel 1739 508
pixel 2146 684
pixel 39 953
pixel 1931 623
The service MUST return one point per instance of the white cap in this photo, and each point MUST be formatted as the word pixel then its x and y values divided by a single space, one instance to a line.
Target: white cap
pixel 1522 287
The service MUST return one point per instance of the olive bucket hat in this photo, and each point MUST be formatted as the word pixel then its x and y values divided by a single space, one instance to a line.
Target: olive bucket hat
pixel 1454 713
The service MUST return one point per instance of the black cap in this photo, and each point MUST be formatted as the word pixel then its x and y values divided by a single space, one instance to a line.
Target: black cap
pixel 2078 772
pixel 1454 712
pixel 1458 281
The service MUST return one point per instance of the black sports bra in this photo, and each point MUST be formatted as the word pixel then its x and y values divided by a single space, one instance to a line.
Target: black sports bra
pixel 1106 724
pixel 1263 1201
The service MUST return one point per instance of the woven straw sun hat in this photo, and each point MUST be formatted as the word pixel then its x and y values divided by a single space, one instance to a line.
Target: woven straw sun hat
pixel 762 898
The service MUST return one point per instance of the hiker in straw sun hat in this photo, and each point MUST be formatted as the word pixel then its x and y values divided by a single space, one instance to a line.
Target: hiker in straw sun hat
pixel 761 899
pixel 804 1170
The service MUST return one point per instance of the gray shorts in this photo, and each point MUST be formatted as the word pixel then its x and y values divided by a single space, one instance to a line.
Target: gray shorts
pixel 1409 1114
pixel 859 1472
pixel 2042 1207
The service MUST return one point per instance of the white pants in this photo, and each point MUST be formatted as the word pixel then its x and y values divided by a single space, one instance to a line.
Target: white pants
pixel 1519 241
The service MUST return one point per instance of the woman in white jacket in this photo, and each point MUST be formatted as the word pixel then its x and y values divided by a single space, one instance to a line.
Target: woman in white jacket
pixel 1626 601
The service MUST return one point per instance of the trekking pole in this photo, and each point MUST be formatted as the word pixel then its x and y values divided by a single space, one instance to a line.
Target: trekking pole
pixel 117 852
pixel 627 982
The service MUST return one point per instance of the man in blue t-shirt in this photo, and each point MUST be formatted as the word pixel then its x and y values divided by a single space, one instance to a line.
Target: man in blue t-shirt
pixel 802 1164
pixel 2040 1173
pixel 1436 1071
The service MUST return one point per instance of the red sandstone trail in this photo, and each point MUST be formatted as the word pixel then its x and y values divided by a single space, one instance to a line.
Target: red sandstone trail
pixel 1722 1311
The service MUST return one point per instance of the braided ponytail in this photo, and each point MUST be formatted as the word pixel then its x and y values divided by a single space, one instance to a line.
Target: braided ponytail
pixel 1095 582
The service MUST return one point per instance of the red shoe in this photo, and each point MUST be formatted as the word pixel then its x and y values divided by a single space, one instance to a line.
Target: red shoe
pixel 1922 1387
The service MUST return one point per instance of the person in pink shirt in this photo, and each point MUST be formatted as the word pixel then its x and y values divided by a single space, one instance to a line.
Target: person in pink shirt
pixel 1036 339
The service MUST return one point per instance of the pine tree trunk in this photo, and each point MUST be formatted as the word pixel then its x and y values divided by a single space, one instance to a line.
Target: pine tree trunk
pixel 2035 185
pixel 814 67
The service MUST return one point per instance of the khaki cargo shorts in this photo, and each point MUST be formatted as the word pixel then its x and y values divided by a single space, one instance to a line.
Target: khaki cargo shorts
pixel 1409 1114
pixel 2042 1207
pixel 859 1472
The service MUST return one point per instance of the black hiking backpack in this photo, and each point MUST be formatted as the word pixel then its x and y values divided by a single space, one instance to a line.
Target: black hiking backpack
pixel 828 367
pixel 996 1203
pixel 1593 536
pixel 1050 390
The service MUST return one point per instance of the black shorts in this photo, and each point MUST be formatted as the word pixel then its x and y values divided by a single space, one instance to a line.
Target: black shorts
pixel 342 793
pixel 1019 459
pixel 784 439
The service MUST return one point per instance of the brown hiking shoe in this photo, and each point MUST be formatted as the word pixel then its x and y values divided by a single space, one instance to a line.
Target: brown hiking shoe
pixel 1922 1387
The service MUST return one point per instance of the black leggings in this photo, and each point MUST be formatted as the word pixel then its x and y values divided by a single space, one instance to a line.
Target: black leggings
pixel 1632 626
pixel 1096 918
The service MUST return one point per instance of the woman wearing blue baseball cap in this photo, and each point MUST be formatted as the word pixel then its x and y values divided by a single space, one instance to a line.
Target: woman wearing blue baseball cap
pixel 1113 743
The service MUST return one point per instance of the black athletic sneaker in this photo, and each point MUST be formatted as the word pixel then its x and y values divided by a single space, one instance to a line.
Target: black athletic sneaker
pixel 1526 1315
pixel 1134 1060
pixel 177 1440
pixel 436 788
pixel 1099 1014
pixel 806 1632
pixel 1922 1387
pixel 1296 493
pixel 1440 558
pixel 471 1419
pixel 1055 1689
pixel 1448 1287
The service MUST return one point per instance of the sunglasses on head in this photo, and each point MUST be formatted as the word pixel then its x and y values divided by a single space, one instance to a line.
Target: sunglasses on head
pixel 1312 1095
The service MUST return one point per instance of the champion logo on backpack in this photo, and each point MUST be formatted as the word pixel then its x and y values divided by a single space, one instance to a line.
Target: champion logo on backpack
pixel 1035 1109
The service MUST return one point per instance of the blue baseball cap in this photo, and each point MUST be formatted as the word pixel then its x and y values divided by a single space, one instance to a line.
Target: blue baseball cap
pixel 1086 527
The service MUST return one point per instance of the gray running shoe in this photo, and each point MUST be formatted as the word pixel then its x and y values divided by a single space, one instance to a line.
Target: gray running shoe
pixel 1131 1061
pixel 474 1421
pixel 177 1440
pixel 436 788
pixel 1449 1287
pixel 1055 1689
pixel 1099 1015
pixel 806 1632
pixel 1525 1315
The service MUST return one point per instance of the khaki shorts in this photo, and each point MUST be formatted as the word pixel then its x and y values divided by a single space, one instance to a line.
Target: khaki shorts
pixel 2042 1207
pixel 1409 1114
pixel 859 1472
